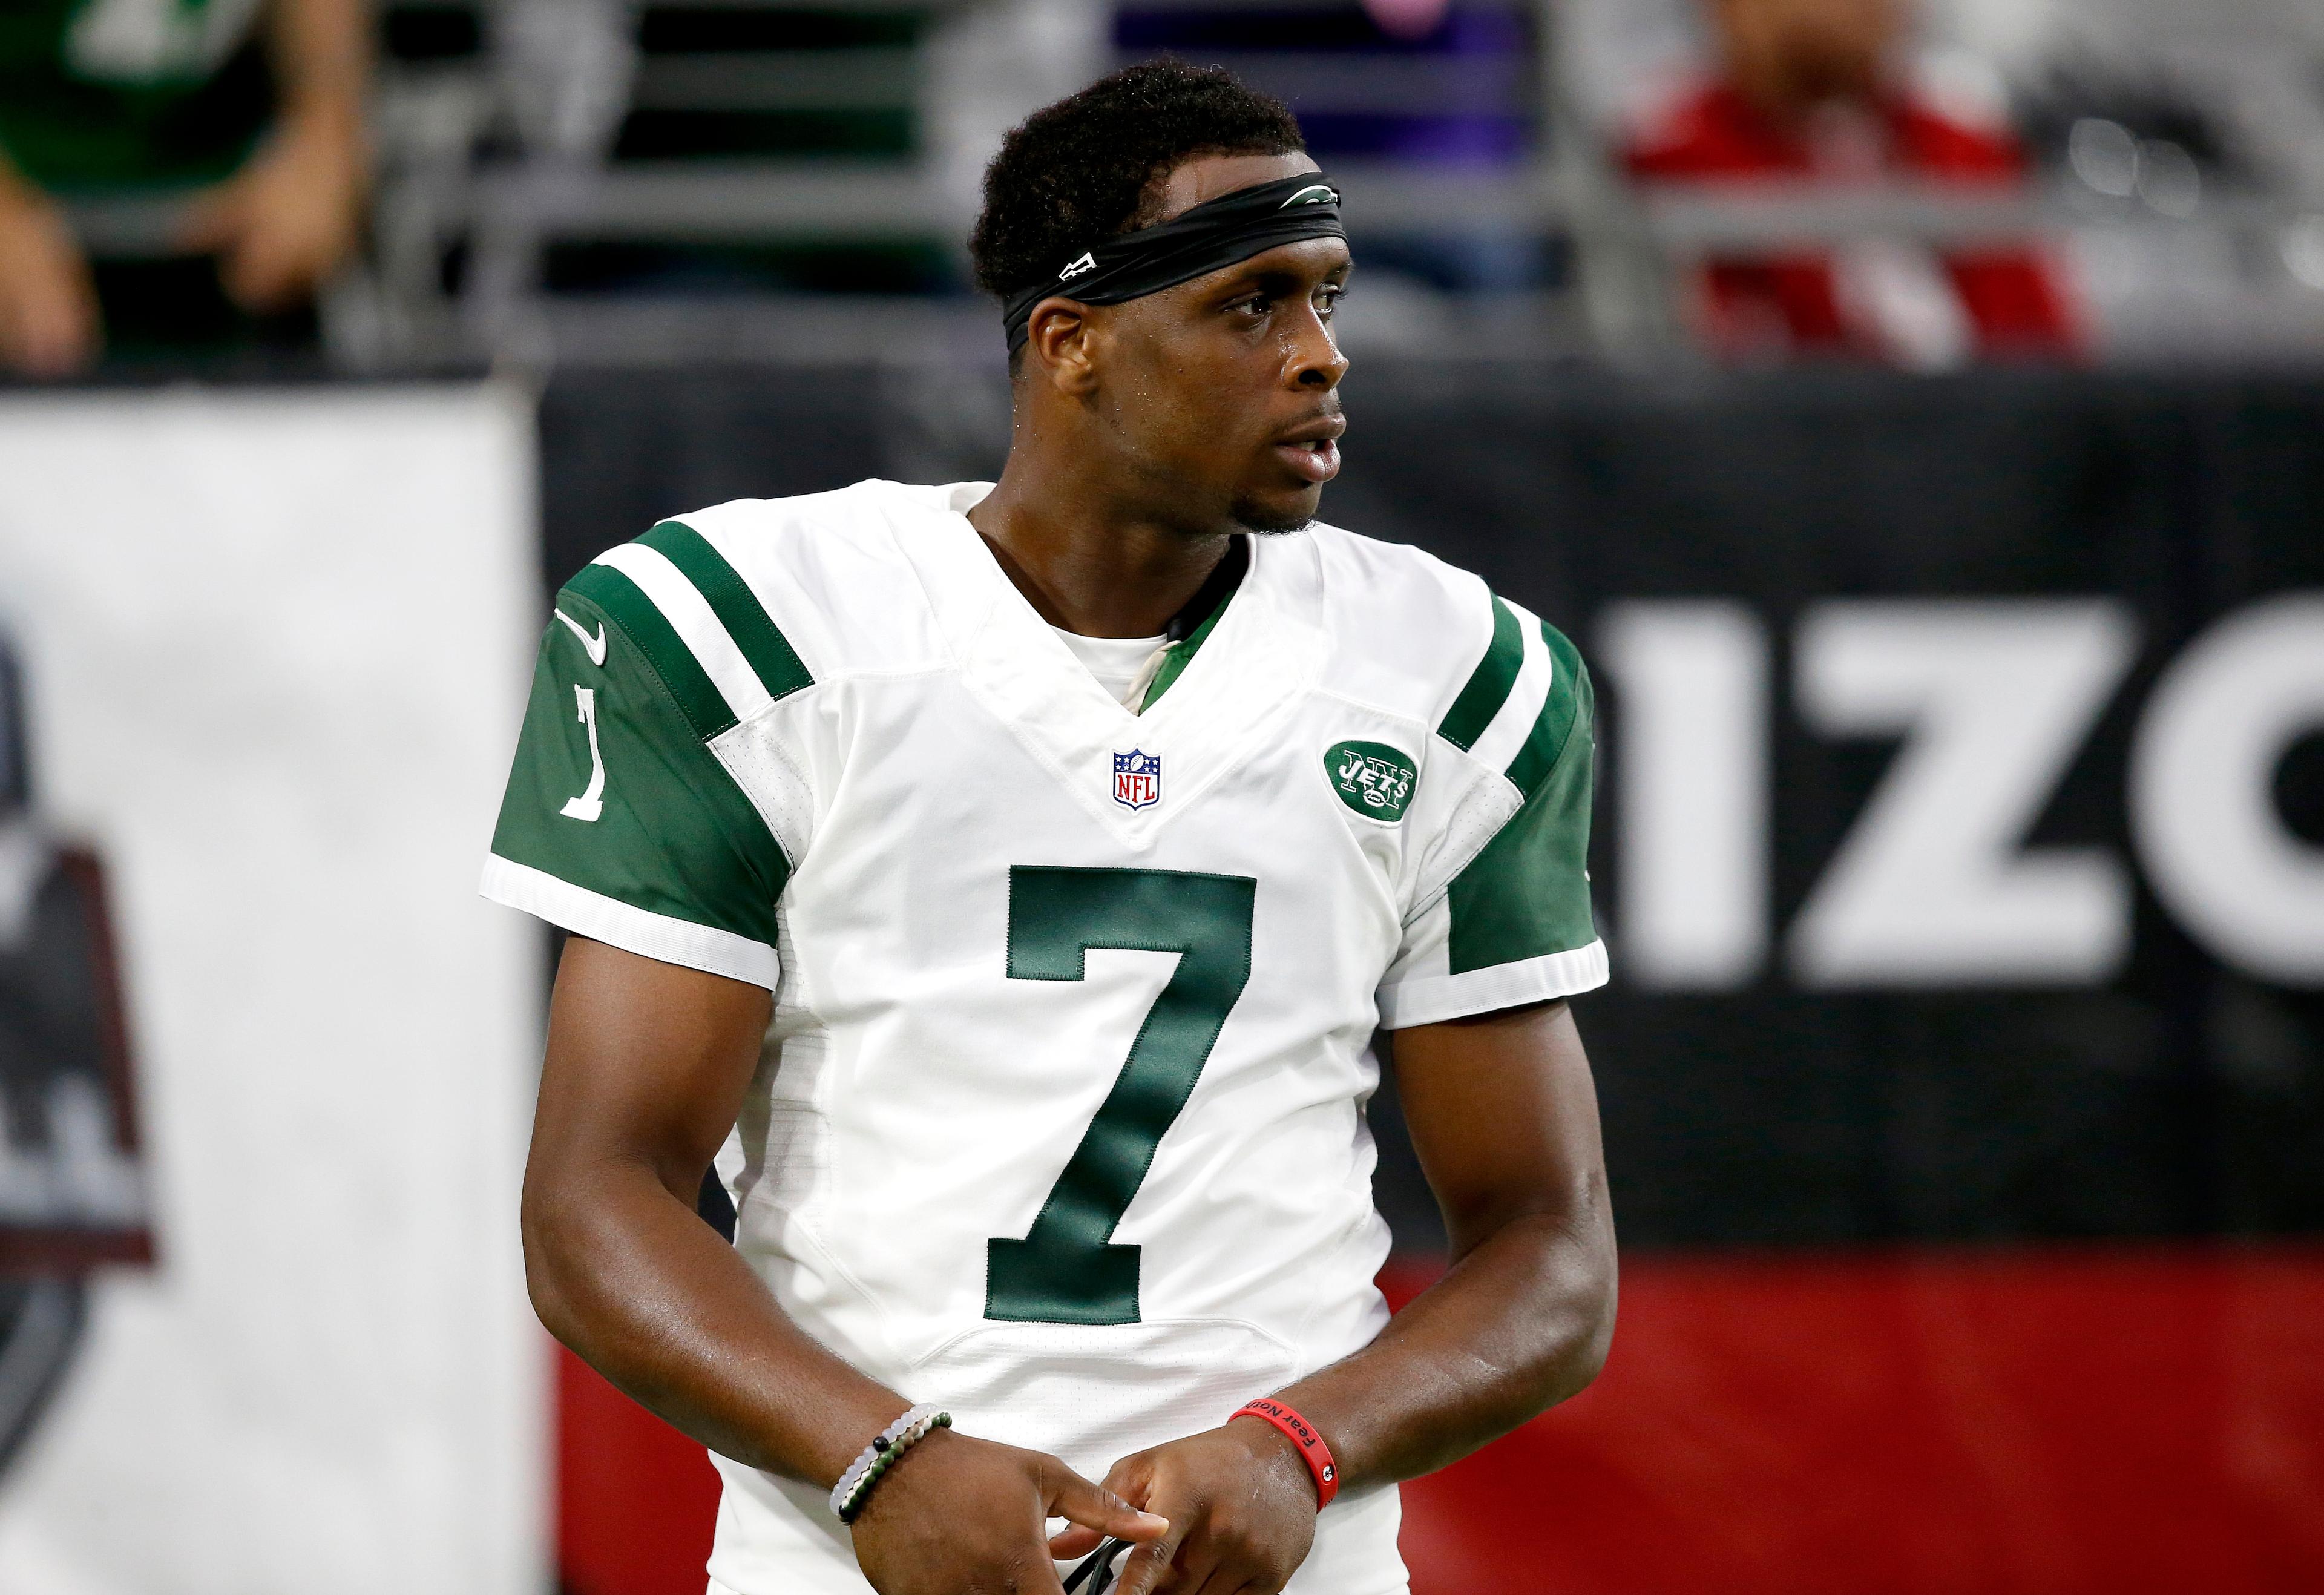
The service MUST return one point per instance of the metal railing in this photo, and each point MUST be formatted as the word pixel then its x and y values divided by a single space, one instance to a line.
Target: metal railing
pixel 439 202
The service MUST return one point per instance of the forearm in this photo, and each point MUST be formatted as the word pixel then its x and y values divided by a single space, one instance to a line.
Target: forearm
pixel 624 1272
pixel 1521 1321
pixel 322 56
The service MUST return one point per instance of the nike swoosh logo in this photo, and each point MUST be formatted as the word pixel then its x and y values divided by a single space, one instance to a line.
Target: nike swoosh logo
pixel 595 645
pixel 1312 194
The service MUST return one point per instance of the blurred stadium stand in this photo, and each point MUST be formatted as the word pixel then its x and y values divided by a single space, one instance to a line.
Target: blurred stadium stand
pixel 605 181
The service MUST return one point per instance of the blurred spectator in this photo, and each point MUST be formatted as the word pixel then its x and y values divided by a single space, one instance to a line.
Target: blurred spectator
pixel 1810 92
pixel 108 97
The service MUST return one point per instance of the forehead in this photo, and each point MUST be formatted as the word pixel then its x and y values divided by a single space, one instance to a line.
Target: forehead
pixel 1206 177
pixel 1313 260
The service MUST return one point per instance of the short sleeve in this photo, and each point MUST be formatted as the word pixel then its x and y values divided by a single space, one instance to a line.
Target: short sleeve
pixel 620 821
pixel 1513 923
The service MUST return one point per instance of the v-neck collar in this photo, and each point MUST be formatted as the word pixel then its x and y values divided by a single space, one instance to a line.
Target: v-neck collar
pixel 1210 602
pixel 1242 670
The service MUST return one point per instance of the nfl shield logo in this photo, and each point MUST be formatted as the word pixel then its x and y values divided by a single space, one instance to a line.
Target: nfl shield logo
pixel 1136 779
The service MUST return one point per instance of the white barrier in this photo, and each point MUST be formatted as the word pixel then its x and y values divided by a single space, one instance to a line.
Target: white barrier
pixel 276 644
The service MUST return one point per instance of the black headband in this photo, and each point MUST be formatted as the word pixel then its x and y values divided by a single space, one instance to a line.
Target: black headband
pixel 1223 232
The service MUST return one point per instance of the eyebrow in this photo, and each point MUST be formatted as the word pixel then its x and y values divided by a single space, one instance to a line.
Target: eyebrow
pixel 1246 278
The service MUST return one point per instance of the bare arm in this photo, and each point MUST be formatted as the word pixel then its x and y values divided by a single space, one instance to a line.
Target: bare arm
pixel 322 55
pixel 646 1070
pixel 645 1074
pixel 284 222
pixel 49 321
pixel 1505 1119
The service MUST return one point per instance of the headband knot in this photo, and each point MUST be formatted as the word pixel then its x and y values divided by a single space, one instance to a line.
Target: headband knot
pixel 1220 232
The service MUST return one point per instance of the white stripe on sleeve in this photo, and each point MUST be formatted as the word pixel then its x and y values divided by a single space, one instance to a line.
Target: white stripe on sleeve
pixel 1431 999
pixel 637 930
pixel 1497 744
pixel 689 614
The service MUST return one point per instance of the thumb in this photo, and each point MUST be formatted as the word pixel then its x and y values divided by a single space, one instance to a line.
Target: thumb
pixel 1069 1496
pixel 1144 1569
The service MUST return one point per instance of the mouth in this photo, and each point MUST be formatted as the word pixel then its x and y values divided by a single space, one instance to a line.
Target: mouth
pixel 1312 450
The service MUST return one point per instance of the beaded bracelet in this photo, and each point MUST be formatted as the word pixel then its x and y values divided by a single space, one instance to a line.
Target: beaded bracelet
pixel 863 1474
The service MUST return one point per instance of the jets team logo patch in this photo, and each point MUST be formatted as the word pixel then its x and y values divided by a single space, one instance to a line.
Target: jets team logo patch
pixel 1136 779
pixel 1371 777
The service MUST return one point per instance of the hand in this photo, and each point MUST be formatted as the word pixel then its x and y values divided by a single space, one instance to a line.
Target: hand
pixel 963 1516
pixel 1241 1505
pixel 283 224
pixel 49 324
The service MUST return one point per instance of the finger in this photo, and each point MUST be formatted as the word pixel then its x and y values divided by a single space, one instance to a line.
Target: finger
pixel 262 275
pixel 1132 1478
pixel 1199 1566
pixel 1073 1543
pixel 1067 1495
pixel 212 219
pixel 1146 1570
pixel 56 332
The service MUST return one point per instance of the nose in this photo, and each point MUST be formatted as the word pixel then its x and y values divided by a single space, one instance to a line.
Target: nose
pixel 1313 354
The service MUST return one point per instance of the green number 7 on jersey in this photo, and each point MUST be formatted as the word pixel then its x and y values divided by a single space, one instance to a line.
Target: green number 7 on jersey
pixel 1067 1269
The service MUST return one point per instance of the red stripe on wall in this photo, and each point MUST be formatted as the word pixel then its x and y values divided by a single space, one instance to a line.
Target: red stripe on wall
pixel 2045 1422
pixel 635 1498
pixel 1916 1425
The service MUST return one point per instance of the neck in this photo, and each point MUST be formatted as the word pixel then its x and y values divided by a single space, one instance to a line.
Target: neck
pixel 1087 556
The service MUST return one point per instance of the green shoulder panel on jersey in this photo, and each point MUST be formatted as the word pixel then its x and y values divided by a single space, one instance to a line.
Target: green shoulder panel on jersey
pixel 659 645
pixel 771 657
pixel 1528 893
pixel 672 834
pixel 1489 684
pixel 1551 728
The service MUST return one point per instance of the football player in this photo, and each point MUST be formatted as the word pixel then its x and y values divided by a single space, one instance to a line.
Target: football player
pixel 1002 886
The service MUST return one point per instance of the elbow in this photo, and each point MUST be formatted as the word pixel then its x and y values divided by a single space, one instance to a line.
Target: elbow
pixel 550 1226
pixel 1585 1288
pixel 1595 1303
pixel 1596 1338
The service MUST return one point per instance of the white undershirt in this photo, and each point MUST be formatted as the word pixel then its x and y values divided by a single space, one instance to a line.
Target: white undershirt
pixel 1118 663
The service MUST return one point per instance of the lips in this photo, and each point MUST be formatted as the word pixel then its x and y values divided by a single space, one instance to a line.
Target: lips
pixel 1318 462
pixel 1312 449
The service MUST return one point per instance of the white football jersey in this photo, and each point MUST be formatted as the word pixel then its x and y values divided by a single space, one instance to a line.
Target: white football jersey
pixel 1060 1122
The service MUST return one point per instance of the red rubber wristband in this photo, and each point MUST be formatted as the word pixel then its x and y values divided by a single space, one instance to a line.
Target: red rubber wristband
pixel 1312 1449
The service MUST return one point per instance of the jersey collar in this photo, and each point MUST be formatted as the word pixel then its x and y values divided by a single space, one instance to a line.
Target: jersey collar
pixel 1234 677
pixel 1192 626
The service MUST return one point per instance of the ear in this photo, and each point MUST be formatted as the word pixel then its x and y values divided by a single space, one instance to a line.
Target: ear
pixel 1060 344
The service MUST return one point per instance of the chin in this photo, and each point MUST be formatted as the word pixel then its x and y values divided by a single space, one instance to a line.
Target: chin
pixel 1270 514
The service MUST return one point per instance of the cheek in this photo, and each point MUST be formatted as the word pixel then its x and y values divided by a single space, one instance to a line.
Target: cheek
pixel 1185 412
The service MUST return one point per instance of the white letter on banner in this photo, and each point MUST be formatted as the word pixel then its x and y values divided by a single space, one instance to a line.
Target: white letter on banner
pixel 1930 887
pixel 2202 774
pixel 1691 757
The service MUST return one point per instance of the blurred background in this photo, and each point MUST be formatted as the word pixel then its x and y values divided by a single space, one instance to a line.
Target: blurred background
pixel 1914 408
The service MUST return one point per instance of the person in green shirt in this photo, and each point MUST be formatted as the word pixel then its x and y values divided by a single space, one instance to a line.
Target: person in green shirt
pixel 254 109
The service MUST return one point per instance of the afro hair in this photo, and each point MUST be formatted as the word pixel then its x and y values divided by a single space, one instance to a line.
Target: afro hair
pixel 1089 166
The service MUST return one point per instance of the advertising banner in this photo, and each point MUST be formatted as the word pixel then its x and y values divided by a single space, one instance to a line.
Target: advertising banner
pixel 1961 849
pixel 258 1200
